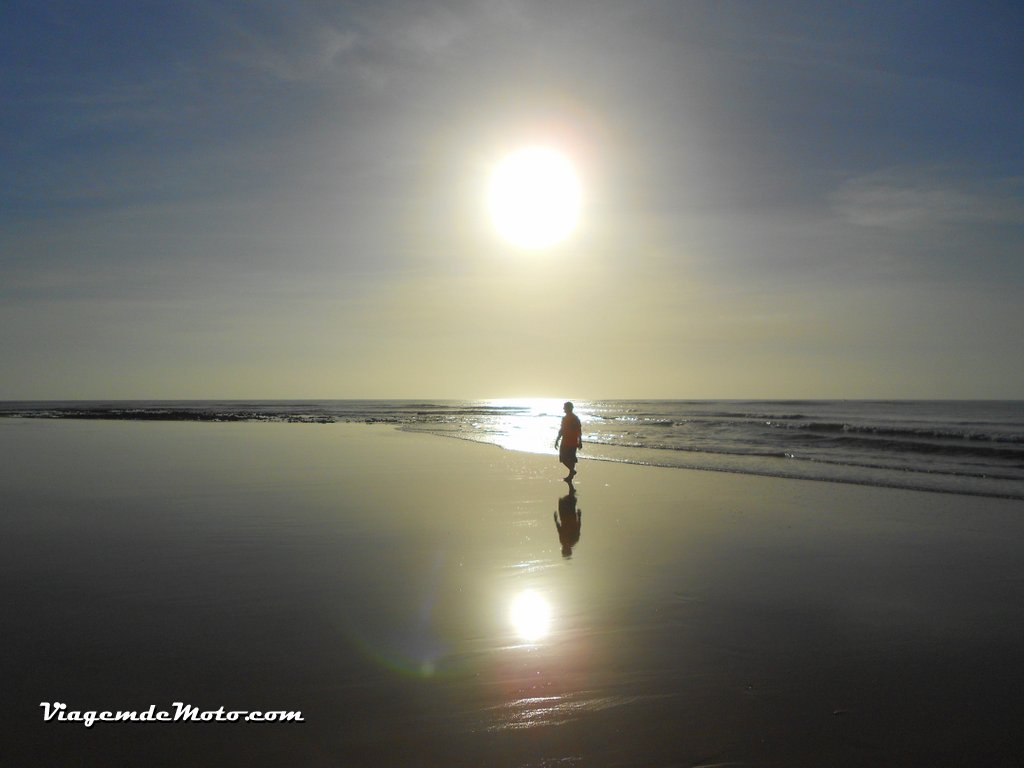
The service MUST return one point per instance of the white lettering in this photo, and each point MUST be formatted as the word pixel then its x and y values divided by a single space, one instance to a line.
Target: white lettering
pixel 51 710
pixel 57 710
pixel 185 711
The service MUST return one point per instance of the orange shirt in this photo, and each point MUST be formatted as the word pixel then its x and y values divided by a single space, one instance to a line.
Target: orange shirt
pixel 572 430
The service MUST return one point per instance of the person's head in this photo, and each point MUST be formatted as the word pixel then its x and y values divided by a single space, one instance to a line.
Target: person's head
pixel 567 407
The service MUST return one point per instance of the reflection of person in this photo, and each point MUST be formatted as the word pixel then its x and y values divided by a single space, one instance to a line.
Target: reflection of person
pixel 568 521
pixel 571 437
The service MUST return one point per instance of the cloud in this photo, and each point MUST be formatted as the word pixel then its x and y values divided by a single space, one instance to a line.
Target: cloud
pixel 908 201
pixel 431 31
pixel 309 43
pixel 292 47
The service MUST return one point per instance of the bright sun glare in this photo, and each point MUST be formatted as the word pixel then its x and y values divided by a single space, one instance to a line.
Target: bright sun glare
pixel 534 197
pixel 530 616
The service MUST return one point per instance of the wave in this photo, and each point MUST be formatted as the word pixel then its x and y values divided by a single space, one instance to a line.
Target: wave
pixel 168 414
pixel 866 446
pixel 935 433
pixel 484 410
pixel 292 412
pixel 864 462
pixel 933 448
pixel 881 477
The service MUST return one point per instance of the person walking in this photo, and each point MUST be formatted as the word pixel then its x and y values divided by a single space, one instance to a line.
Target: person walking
pixel 570 435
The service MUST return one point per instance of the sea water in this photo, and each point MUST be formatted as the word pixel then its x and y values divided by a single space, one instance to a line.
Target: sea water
pixel 967 447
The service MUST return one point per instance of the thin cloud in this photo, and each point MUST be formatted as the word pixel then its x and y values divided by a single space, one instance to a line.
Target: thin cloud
pixel 899 201
pixel 432 32
pixel 293 48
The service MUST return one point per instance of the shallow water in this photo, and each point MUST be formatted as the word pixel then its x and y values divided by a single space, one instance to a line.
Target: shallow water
pixel 366 577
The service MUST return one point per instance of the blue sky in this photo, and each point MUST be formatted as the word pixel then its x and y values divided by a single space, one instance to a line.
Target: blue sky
pixel 286 199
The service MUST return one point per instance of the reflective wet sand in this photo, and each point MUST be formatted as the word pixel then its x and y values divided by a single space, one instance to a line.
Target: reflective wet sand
pixel 426 601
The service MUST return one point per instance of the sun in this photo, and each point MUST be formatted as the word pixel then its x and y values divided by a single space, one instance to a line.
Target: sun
pixel 534 197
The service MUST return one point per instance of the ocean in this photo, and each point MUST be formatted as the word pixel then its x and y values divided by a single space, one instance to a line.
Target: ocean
pixel 965 447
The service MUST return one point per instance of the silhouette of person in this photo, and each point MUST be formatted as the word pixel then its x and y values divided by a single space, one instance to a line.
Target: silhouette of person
pixel 568 521
pixel 571 436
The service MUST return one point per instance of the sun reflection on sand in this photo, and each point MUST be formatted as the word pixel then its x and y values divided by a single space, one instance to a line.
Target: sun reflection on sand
pixel 535 711
pixel 530 615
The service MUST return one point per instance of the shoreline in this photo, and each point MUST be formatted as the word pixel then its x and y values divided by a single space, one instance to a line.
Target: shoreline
pixel 746 472
pixel 410 429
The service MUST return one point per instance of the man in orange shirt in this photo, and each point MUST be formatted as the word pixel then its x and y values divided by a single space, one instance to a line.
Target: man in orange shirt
pixel 571 437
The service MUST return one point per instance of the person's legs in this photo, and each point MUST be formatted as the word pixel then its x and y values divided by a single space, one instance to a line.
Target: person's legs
pixel 568 457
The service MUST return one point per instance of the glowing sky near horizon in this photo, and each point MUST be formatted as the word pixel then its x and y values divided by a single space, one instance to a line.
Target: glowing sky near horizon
pixel 782 200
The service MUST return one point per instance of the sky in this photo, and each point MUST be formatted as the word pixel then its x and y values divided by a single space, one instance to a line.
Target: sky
pixel 287 200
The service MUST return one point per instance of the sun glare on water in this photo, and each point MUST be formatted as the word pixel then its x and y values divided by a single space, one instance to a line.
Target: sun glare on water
pixel 534 197
pixel 530 616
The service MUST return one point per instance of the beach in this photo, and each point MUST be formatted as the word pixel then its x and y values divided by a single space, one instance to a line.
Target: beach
pixel 365 577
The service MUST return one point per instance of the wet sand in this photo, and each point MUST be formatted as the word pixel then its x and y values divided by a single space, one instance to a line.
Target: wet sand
pixel 365 577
